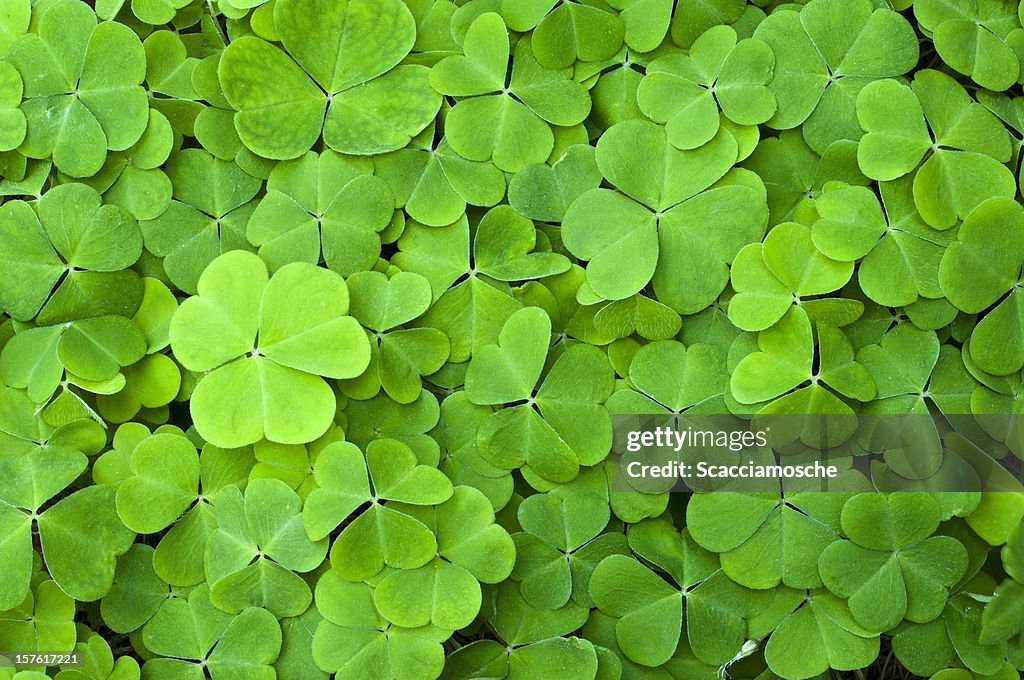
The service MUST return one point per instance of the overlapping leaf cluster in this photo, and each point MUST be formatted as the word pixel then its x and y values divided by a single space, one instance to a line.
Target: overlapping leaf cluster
pixel 315 314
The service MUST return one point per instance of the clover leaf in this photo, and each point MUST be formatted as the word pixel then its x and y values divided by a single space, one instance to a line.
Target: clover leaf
pixel 180 555
pixel 354 641
pixel 295 328
pixel 43 620
pixel 471 312
pixel 561 545
pixel 207 218
pixel 460 455
pixel 996 346
pixel 384 418
pixel 399 358
pixel 281 104
pixel 624 588
pixel 574 658
pixel 685 92
pixel 258 545
pixel 562 423
pixel 521 626
pixel 380 535
pixel 1009 112
pixel 83 91
pixel 974 39
pixel 43 474
pixel 133 179
pixel 81 537
pixel 77 251
pixel 81 525
pixel 137 592
pixel 656 223
pixel 445 592
pixel 188 635
pixel 488 126
pixel 12 119
pixel 784 360
pixel 435 184
pixel 164 483
pixel 764 539
pixel 900 253
pixel 669 377
pixel 793 173
pixel 151 384
pixel 544 192
pixel 469 536
pixel 342 486
pixel 892 567
pixel 960 169
pixel 825 55
pixel 96 661
pixel 566 31
pixel 639 314
pixel 819 634
pixel 327 203
pixel 84 352
pixel 786 267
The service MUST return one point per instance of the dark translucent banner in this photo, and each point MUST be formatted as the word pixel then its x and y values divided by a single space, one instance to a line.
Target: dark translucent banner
pixel 803 453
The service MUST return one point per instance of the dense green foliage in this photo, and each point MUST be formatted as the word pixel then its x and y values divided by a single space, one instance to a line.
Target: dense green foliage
pixel 314 315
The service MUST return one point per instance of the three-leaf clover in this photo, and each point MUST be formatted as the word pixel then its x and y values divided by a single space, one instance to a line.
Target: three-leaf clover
pixel 213 204
pixel 83 91
pixel 685 92
pixel 766 539
pixel 554 428
pixel 381 535
pixel 70 261
pixel 508 123
pixel 561 544
pixel 445 592
pixel 653 612
pixel 898 252
pixel 190 634
pixel 934 120
pixel 326 203
pixel 266 341
pixel 656 228
pixel 435 184
pixel 824 55
pixel 89 353
pixel 43 620
pixel 81 534
pixel 179 558
pixel 348 55
pixel 258 545
pixel 506 247
pixel 399 357
pixel 892 566
pixel 976 39
pixel 784 360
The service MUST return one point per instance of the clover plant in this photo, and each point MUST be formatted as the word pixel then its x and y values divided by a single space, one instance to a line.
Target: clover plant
pixel 316 318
